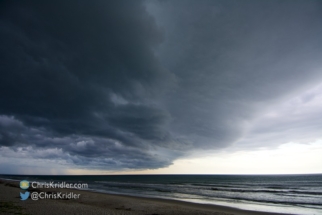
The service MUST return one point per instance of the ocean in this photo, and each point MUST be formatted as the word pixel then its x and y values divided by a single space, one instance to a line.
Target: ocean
pixel 290 194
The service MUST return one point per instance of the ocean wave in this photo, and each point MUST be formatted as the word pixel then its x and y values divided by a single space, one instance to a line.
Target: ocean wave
pixel 267 191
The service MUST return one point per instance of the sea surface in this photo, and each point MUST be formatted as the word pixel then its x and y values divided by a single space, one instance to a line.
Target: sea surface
pixel 290 194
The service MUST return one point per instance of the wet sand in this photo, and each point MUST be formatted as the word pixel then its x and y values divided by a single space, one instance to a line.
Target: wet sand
pixel 108 204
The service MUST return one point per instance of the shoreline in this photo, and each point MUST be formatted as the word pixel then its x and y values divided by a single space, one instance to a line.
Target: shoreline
pixel 94 202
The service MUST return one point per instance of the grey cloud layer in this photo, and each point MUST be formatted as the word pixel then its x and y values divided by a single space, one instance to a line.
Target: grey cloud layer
pixel 133 84
pixel 86 151
pixel 233 60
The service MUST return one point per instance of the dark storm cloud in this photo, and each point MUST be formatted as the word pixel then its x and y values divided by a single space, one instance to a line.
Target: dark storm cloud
pixel 61 64
pixel 134 84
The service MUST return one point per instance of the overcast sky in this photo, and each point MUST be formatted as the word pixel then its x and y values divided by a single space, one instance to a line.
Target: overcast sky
pixel 160 86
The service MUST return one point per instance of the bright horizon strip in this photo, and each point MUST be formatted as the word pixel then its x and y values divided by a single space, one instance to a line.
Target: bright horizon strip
pixel 290 158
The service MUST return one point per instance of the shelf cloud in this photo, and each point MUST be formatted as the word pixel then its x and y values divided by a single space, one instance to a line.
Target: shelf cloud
pixel 116 85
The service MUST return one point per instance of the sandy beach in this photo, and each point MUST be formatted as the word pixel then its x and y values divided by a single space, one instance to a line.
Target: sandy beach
pixel 99 203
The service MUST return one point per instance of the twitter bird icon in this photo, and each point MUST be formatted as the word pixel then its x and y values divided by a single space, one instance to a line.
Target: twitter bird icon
pixel 24 196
